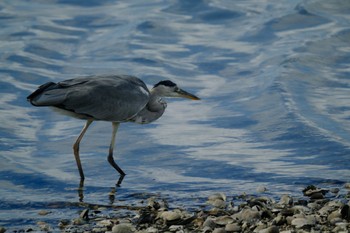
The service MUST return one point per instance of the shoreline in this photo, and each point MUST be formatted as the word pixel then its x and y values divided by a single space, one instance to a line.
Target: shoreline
pixel 316 210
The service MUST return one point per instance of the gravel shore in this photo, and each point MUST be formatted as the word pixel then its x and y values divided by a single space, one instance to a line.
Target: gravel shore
pixel 316 210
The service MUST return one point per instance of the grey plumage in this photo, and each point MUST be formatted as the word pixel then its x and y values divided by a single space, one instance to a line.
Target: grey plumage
pixel 100 98
pixel 114 98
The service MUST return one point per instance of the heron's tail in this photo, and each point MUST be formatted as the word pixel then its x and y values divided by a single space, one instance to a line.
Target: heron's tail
pixel 36 94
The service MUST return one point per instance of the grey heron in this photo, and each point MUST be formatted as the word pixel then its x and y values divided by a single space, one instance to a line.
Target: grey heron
pixel 113 98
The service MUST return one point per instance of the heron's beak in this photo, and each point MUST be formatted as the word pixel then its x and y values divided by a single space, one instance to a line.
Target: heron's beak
pixel 187 95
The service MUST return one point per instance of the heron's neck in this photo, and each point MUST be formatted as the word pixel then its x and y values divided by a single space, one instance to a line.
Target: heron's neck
pixel 152 111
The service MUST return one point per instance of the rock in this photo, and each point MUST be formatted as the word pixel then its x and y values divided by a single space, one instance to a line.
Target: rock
pixel 62 223
pixel 335 221
pixel 335 214
pixel 44 212
pixel 218 203
pixel 152 230
pixel 347 185
pixel 233 227
pixel 170 215
pixel 324 211
pixel 334 190
pixel 316 195
pixel 264 199
pixel 300 209
pixel 301 202
pixel 258 227
pixel 217 200
pixel 176 228
pixel 122 228
pixel 219 230
pixel 198 222
pixel 271 229
pixel 301 222
pixel 2 230
pixel 279 220
pixel 287 212
pixel 105 223
pixel 249 215
pixel 216 196
pixel 152 203
pixel 78 221
pixel 44 226
pixel 334 204
pixel 314 205
pixel 286 200
pixel 341 227
pixel 84 214
pixel 207 229
pixel 99 229
pixel 261 189
pixel 223 220
pixel 209 222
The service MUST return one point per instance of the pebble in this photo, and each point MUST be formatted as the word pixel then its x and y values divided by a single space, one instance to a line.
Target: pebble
pixel 84 214
pixel 299 222
pixel 105 223
pixel 216 196
pixel 334 215
pixel 170 215
pixel 152 230
pixel 279 220
pixel 219 230
pixel 272 229
pixel 334 190
pixel 233 227
pixel 176 228
pixel 217 200
pixel 223 220
pixel 218 203
pixel 347 185
pixel 207 229
pixel 317 195
pixel 44 212
pixel 286 200
pixel 44 226
pixel 209 222
pixel 261 189
pixel 122 228
pixel 248 214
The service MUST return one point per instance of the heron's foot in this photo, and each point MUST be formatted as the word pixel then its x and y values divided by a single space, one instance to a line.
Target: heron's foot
pixel 120 180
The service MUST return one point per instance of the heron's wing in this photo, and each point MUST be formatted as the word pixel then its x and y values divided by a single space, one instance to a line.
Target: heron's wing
pixel 109 98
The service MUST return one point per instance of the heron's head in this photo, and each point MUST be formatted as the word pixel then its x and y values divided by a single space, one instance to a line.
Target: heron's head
pixel 169 89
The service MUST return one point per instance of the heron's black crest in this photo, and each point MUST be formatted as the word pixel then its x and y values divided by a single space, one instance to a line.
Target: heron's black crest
pixel 167 83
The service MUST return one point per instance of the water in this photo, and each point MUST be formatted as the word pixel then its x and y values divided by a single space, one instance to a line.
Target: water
pixel 273 77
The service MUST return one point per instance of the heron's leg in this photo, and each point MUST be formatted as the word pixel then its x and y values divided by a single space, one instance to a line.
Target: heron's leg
pixel 111 148
pixel 76 148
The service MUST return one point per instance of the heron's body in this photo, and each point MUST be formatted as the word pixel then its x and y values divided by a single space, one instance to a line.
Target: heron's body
pixel 114 98
pixel 102 98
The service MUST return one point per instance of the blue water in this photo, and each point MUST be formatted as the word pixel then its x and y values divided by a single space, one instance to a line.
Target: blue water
pixel 274 78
